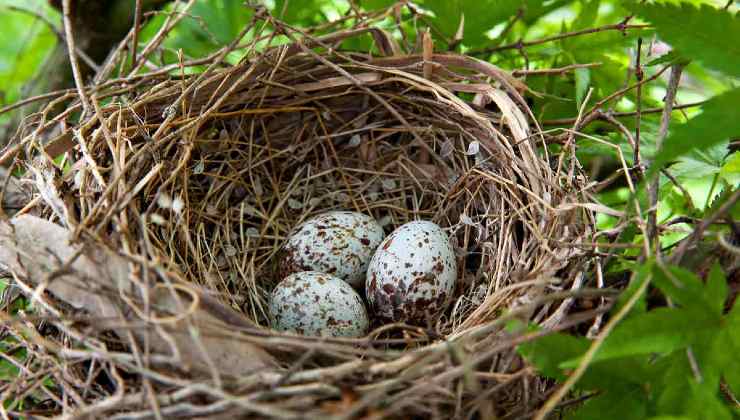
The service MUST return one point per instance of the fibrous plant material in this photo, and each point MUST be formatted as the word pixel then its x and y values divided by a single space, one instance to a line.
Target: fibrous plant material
pixel 190 185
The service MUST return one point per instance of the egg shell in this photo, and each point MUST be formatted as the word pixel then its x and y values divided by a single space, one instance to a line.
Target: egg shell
pixel 412 275
pixel 339 243
pixel 317 304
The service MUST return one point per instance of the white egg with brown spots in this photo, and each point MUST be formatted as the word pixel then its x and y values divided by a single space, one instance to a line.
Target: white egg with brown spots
pixel 412 275
pixel 317 304
pixel 339 243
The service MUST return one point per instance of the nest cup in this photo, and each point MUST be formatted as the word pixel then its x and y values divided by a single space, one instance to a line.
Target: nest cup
pixel 208 174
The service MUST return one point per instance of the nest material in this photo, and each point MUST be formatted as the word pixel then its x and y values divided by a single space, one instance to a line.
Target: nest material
pixel 198 180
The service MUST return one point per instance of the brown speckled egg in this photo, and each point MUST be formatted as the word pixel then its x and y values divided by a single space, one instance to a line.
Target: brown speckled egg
pixel 317 304
pixel 412 275
pixel 339 243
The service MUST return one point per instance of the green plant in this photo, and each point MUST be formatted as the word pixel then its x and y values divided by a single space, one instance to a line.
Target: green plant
pixel 666 361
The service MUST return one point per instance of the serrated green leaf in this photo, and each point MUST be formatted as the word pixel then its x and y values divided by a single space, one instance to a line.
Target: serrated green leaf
pixel 730 171
pixel 721 199
pixel 549 352
pixel 719 121
pixel 662 330
pixel 716 289
pixel 703 404
pixel 687 290
pixel 697 32
pixel 616 403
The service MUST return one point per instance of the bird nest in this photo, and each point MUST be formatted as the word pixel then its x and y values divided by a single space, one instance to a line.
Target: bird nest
pixel 150 248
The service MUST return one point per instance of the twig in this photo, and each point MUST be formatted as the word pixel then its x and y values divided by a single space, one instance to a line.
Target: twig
pixel 557 70
pixel 67 19
pixel 638 94
pixel 665 119
pixel 622 26
pixel 135 35
pixel 568 121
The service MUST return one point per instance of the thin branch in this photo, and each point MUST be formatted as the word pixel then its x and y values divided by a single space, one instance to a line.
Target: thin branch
pixel 557 70
pixel 67 18
pixel 135 35
pixel 665 120
pixel 639 75
pixel 568 121
pixel 621 27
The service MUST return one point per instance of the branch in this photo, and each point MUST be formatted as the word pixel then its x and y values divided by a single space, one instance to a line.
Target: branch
pixel 665 119
pixel 67 19
pixel 622 27
pixel 557 70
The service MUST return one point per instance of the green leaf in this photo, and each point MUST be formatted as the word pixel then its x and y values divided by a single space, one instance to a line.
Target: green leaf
pixel 697 32
pixel 687 290
pixel 615 403
pixel 304 12
pixel 583 80
pixel 716 289
pixel 642 274
pixel 721 199
pixel 731 346
pixel 730 171
pixel 703 404
pixel 480 16
pixel 671 57
pixel 662 330
pixel 719 121
pixel 547 352
pixel 376 4
pixel 670 418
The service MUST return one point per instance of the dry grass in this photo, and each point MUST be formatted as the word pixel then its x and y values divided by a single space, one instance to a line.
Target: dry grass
pixel 197 180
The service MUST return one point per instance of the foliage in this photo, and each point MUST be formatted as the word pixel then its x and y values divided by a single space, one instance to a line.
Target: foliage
pixel 697 32
pixel 666 361
pixel 25 41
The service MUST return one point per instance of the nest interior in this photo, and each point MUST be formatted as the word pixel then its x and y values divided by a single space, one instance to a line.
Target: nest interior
pixel 206 175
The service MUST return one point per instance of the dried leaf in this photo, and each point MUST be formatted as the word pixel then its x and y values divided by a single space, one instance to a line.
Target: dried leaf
pixel 33 249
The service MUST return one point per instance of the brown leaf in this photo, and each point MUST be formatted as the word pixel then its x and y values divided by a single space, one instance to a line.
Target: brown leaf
pixel 35 250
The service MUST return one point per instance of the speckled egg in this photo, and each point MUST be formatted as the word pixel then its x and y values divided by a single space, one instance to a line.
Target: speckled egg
pixel 412 275
pixel 313 303
pixel 339 243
